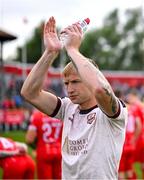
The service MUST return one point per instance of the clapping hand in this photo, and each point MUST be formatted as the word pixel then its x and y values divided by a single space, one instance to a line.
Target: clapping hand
pixel 51 40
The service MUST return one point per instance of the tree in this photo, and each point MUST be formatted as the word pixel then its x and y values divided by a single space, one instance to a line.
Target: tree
pixel 117 45
pixel 33 46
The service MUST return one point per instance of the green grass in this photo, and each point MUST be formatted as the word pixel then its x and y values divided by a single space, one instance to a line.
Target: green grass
pixel 15 135
pixel 138 171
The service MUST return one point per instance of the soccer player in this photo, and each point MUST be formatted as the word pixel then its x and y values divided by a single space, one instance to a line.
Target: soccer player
pixel 138 109
pixel 94 118
pixel 133 131
pixel 46 133
pixel 14 160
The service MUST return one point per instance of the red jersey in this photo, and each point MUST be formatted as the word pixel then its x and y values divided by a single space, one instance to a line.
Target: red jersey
pixel 130 130
pixel 127 158
pixel 49 132
pixel 9 159
pixel 138 110
pixel 7 147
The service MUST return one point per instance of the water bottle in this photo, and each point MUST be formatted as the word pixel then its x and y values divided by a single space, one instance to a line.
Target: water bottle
pixel 83 24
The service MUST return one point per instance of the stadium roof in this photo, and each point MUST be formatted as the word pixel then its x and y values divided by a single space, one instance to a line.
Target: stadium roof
pixel 5 36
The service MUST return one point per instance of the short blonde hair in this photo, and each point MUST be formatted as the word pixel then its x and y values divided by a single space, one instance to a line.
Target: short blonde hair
pixel 69 69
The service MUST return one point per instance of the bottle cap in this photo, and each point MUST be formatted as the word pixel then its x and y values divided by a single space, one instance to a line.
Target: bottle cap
pixel 87 20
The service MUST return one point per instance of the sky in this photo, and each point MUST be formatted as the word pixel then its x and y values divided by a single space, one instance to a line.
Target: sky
pixel 14 12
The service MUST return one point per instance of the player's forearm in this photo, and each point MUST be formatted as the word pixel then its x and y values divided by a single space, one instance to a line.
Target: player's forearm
pixel 4 154
pixel 34 82
pixel 96 82
pixel 91 75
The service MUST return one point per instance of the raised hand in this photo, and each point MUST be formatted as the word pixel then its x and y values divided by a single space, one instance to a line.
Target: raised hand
pixel 51 40
pixel 74 36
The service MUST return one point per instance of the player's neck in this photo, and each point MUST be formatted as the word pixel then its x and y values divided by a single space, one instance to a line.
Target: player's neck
pixel 87 105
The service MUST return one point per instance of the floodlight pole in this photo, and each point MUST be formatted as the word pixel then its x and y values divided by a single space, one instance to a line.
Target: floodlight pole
pixel 24 61
pixel 2 77
pixel 142 24
pixel 1 54
pixel 24 52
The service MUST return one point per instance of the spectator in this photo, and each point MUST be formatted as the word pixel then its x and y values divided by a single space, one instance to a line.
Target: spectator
pixel 138 109
pixel 133 131
pixel 8 103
